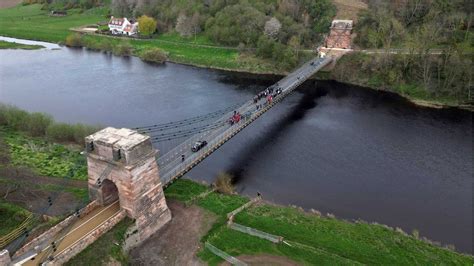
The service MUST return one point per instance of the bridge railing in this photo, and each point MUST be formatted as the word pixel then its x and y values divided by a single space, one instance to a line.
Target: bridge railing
pixel 170 172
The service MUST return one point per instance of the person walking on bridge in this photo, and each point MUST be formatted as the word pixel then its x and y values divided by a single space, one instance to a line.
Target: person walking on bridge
pixel 182 157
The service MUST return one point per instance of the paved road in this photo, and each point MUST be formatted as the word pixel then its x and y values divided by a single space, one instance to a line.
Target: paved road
pixel 171 164
pixel 78 230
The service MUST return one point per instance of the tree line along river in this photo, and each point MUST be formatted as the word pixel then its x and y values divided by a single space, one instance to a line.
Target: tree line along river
pixel 341 149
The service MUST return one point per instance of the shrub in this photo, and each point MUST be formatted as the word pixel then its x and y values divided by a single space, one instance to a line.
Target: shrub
pixel 80 131
pixel 105 45
pixel 224 183
pixel 91 44
pixel 74 40
pixel 146 25
pixel 41 125
pixel 154 55
pixel 14 117
pixel 60 132
pixel 416 233
pixel 38 123
pixel 123 49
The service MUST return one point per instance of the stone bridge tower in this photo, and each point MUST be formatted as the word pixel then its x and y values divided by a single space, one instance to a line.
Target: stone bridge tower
pixel 122 166
pixel 340 35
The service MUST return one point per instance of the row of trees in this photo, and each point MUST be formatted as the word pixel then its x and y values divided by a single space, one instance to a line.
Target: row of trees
pixel 435 38
pixel 273 26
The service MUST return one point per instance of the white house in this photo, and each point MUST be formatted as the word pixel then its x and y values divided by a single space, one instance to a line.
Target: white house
pixel 123 26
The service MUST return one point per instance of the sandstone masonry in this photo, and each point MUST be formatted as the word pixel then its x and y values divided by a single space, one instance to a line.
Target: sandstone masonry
pixel 340 34
pixel 122 165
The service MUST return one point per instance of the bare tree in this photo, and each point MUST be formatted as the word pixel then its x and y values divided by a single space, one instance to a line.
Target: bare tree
pixel 183 25
pixel 195 24
pixel 272 27
pixel 290 7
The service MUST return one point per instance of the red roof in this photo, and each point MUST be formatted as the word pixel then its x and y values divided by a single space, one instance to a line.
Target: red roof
pixel 117 21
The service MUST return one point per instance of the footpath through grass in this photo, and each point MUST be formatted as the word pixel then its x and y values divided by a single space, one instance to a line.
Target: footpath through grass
pixel 14 45
pixel 312 239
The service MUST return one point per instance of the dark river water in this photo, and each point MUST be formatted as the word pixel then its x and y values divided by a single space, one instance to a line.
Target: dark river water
pixel 340 149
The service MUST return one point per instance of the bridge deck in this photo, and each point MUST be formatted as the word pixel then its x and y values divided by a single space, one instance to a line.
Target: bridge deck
pixel 81 228
pixel 171 165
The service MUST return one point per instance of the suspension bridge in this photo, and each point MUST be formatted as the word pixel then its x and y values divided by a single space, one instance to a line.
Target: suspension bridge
pixel 179 160
pixel 214 128
pixel 126 177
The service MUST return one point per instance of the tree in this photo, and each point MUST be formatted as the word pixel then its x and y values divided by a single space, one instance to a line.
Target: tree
pixel 265 47
pixel 235 24
pixel 187 26
pixel 183 25
pixel 146 25
pixel 321 12
pixel 295 43
pixel 122 8
pixel 290 8
pixel 195 24
pixel 272 27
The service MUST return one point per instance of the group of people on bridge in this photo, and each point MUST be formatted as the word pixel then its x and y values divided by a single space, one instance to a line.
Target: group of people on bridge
pixel 267 94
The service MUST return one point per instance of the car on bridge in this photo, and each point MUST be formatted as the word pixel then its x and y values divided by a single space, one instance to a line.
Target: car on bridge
pixel 198 145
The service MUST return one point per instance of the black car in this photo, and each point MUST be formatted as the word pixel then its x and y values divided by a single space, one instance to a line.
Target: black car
pixel 198 145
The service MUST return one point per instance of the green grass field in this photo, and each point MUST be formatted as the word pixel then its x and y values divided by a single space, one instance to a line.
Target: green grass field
pixel 313 239
pixel 13 45
pixel 11 216
pixel 30 22
pixel 43 157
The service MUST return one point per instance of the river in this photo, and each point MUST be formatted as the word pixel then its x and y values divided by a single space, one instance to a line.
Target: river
pixel 350 151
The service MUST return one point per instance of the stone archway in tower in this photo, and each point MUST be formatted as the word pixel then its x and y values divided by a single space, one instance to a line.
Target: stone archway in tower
pixel 108 192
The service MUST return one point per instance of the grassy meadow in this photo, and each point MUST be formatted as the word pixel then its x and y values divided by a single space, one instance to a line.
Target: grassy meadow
pixel 43 157
pixel 33 23
pixel 311 239
pixel 13 45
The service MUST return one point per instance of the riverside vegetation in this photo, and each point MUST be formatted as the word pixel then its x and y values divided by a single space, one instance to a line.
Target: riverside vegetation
pixel 433 64
pixel 313 238
pixel 14 45
pixel 432 60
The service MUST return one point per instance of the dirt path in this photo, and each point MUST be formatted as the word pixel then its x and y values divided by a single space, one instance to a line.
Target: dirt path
pixel 178 242
pixel 9 3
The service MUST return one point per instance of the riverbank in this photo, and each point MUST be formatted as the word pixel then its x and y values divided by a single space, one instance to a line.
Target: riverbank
pixel 312 237
pixel 365 70
pixel 308 237
pixel 13 45
pixel 29 22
